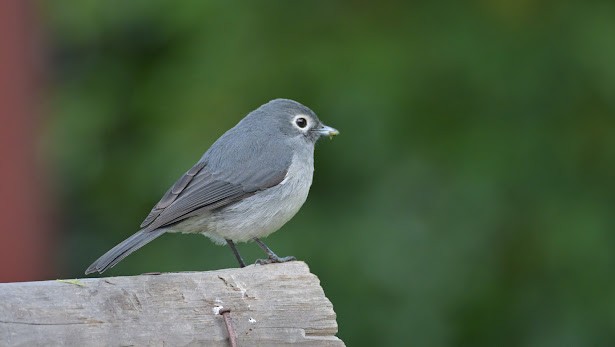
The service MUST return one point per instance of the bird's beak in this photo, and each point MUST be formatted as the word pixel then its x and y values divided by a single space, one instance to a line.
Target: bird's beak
pixel 327 131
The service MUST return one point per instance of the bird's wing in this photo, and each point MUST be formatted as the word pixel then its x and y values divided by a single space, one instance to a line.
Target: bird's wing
pixel 212 184
pixel 171 195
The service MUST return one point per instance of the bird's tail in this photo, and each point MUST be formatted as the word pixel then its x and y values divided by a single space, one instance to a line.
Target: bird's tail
pixel 122 250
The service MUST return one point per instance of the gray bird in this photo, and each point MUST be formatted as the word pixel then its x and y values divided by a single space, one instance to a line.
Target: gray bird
pixel 249 183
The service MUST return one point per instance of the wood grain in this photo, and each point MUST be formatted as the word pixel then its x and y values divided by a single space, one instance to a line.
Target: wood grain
pixel 271 305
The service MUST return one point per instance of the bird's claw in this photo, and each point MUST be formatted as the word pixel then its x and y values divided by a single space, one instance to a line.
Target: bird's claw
pixel 275 259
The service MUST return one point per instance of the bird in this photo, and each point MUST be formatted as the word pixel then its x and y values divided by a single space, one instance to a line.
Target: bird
pixel 247 185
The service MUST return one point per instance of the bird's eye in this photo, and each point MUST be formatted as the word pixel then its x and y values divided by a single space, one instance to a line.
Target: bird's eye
pixel 301 122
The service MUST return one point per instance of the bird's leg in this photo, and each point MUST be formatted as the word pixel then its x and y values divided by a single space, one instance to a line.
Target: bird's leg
pixel 271 257
pixel 236 253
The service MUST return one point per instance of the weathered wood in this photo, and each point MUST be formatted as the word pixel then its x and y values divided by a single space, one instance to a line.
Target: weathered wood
pixel 270 305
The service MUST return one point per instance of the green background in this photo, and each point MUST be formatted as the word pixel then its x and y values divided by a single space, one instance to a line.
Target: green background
pixel 467 202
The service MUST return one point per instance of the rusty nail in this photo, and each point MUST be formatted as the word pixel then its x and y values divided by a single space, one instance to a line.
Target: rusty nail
pixel 226 313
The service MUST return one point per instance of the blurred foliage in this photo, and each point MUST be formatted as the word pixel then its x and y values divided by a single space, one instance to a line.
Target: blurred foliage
pixel 467 202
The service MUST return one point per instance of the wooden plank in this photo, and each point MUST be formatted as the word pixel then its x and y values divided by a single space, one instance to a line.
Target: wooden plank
pixel 276 304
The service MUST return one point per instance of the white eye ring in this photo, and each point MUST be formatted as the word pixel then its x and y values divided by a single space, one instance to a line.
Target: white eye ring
pixel 302 122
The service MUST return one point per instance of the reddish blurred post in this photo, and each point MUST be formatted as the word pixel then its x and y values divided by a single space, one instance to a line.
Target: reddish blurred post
pixel 25 239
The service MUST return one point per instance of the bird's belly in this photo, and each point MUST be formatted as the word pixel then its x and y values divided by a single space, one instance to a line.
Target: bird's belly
pixel 260 214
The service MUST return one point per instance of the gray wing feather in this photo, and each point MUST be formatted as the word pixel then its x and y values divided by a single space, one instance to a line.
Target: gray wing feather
pixel 171 195
pixel 238 172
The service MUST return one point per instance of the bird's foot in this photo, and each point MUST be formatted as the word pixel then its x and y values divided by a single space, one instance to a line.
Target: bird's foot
pixel 275 259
